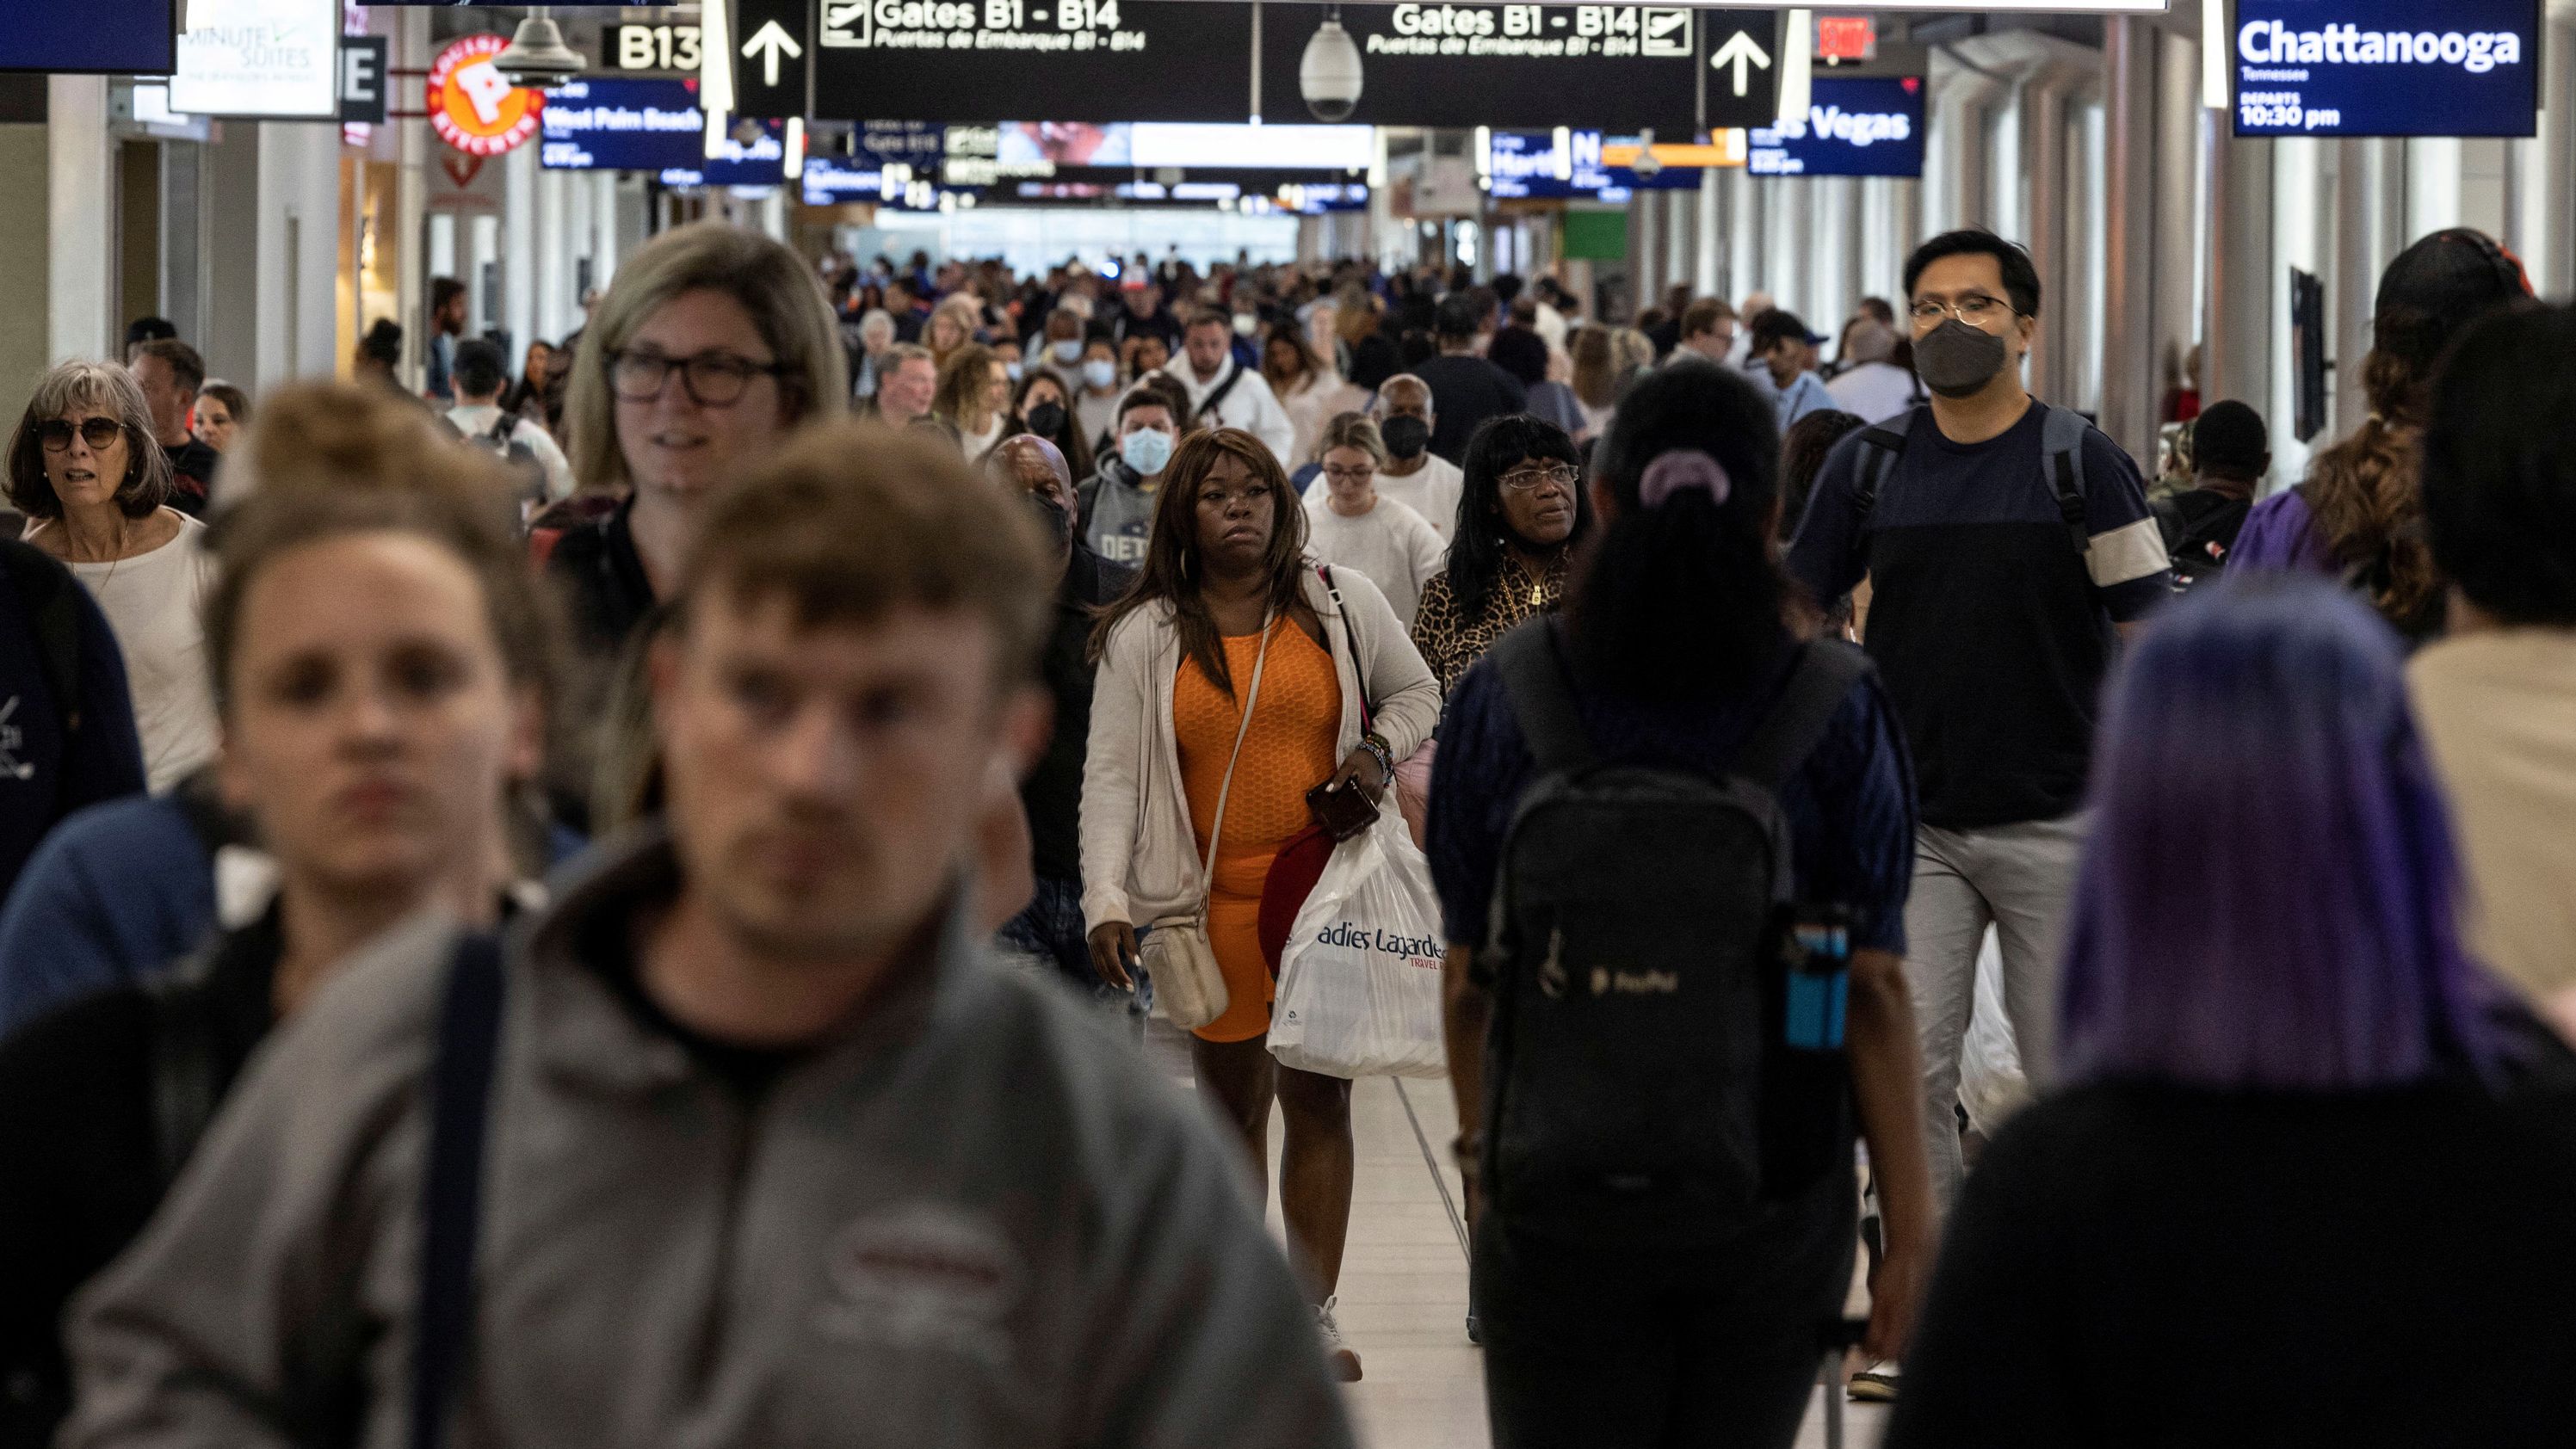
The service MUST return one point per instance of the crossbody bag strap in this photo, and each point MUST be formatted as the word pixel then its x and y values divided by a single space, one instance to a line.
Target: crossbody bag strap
pixel 1359 669
pixel 1251 702
pixel 460 1093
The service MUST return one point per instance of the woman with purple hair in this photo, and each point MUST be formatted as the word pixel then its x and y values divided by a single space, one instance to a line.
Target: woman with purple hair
pixel 2285 1198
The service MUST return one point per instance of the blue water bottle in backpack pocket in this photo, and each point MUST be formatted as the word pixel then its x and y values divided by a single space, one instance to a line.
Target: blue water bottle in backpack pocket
pixel 1818 947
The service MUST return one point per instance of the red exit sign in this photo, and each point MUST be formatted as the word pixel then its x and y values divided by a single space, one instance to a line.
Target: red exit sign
pixel 1846 37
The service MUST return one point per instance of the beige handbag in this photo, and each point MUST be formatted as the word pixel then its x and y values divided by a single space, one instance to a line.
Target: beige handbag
pixel 1189 986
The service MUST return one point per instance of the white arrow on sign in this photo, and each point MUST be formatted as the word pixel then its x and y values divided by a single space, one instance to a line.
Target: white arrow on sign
pixel 773 40
pixel 1741 51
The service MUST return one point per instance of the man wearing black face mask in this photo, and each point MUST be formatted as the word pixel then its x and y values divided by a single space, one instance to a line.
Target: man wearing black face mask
pixel 1049 933
pixel 2006 542
pixel 1415 476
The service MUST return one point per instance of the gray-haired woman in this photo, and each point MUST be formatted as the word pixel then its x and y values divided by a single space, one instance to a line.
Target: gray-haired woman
pixel 86 471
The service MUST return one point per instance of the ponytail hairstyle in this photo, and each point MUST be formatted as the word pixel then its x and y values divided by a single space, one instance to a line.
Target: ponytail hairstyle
pixel 1682 597
pixel 2366 490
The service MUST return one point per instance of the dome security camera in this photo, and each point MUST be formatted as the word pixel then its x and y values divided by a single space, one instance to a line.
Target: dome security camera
pixel 1329 76
pixel 537 58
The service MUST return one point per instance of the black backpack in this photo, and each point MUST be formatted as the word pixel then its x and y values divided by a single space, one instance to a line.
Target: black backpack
pixel 1634 951
pixel 502 441
pixel 2200 531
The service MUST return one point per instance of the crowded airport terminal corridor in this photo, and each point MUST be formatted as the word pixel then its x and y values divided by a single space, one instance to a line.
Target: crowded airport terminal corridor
pixel 1429 725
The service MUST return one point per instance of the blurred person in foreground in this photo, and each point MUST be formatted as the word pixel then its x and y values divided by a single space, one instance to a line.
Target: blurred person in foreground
pixel 2498 697
pixel 379 648
pixel 2301 1127
pixel 771 1152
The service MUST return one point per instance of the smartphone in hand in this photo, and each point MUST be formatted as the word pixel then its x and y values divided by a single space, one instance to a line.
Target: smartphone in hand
pixel 1345 812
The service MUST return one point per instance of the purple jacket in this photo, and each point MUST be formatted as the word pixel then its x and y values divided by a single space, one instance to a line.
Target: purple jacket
pixel 2282 534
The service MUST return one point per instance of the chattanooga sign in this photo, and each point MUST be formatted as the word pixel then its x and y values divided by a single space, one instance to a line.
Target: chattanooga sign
pixel 2387 68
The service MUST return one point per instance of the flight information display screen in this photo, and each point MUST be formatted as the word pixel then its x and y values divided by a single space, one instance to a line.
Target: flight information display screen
pixel 136 37
pixel 2387 68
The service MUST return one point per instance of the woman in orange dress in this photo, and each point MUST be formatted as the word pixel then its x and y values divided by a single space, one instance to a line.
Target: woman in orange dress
pixel 1228 614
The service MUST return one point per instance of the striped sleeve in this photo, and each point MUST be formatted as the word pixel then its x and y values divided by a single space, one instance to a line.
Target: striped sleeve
pixel 2125 551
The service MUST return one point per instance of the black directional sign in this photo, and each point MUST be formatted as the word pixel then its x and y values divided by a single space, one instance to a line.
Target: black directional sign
pixel 363 62
pixel 1615 68
pixel 1742 72
pixel 772 41
pixel 975 60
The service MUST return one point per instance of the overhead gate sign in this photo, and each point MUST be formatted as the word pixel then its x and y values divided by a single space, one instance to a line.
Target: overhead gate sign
pixel 2387 68
pixel 973 60
pixel 1619 68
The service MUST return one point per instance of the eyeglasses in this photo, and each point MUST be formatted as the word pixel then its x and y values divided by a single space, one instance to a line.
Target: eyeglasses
pixel 712 379
pixel 1349 475
pixel 56 433
pixel 1522 480
pixel 1976 309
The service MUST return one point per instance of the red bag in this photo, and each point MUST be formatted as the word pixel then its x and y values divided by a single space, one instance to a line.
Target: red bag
pixel 1293 873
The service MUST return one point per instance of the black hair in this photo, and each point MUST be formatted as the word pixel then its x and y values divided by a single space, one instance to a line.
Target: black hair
pixel 1684 600
pixel 151 329
pixel 383 342
pixel 1479 543
pixel 2499 469
pixel 480 367
pixel 443 290
pixel 2230 440
pixel 1520 352
pixel 1457 318
pixel 2021 278
pixel 1802 457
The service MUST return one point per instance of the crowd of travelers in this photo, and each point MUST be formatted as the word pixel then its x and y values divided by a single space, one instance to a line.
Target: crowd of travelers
pixel 613 899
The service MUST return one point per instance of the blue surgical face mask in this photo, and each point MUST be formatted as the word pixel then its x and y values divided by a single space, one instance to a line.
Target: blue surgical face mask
pixel 1099 373
pixel 1146 450
pixel 1067 352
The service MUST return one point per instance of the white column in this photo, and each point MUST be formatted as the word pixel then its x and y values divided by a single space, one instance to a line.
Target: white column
pixel 2300 203
pixel 580 234
pixel 414 153
pixel 554 265
pixel 1711 240
pixel 603 222
pixel 81 232
pixel 2433 191
pixel 1834 209
pixel 298 250
pixel 1744 236
pixel 519 221
pixel 773 214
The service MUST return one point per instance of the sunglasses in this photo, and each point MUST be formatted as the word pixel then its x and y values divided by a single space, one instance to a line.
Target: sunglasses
pixel 56 433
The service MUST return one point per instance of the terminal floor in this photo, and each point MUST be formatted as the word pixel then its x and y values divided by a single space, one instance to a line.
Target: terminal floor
pixel 1404 1275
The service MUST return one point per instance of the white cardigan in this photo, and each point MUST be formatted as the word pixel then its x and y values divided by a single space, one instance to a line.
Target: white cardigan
pixel 1140 857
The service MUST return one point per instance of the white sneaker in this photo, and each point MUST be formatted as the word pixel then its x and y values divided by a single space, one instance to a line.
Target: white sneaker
pixel 1346 1364
pixel 1875 1384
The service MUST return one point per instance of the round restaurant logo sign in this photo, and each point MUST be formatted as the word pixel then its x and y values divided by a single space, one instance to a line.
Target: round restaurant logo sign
pixel 472 107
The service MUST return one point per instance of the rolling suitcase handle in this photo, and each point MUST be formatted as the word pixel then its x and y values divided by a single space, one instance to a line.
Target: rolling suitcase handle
pixel 1840 1338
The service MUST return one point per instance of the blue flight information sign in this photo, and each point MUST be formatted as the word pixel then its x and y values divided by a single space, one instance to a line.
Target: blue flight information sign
pixel 2387 68
pixel 1867 127
pixel 122 37
pixel 1520 164
pixel 654 126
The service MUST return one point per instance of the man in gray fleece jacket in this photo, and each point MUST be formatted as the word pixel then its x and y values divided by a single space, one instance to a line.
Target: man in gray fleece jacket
pixel 774 1156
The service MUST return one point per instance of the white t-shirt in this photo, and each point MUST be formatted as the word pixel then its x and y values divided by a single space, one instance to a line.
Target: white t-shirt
pixel 1393 545
pixel 475 421
pixel 1433 492
pixel 1874 391
pixel 154 602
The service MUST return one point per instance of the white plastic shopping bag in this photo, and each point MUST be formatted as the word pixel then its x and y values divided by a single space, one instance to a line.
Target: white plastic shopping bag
pixel 1359 980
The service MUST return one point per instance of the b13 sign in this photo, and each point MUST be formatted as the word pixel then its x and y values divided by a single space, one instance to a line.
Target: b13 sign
pixel 2387 68
pixel 1871 127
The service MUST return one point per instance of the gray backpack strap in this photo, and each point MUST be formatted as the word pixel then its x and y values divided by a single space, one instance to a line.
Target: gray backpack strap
pixel 1542 698
pixel 1796 724
pixel 1887 444
pixel 2061 445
